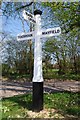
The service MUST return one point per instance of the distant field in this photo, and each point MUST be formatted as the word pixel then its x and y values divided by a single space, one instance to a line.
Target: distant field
pixel 49 74
pixel 53 74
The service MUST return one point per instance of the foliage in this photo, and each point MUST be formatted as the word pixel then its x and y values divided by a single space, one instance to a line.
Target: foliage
pixel 53 74
pixel 66 12
pixel 18 57
pixel 18 106
pixel 64 102
pixel 66 48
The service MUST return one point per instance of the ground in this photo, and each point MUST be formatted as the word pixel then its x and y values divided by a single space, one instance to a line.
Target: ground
pixel 11 87
pixel 15 87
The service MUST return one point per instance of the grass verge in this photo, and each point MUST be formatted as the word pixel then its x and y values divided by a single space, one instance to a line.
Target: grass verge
pixel 63 104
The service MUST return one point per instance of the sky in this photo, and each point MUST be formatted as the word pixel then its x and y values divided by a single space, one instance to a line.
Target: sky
pixel 14 26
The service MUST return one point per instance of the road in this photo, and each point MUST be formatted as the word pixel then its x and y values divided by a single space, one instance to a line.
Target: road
pixel 11 88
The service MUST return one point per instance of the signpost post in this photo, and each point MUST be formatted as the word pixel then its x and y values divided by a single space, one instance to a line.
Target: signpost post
pixel 37 34
pixel 37 78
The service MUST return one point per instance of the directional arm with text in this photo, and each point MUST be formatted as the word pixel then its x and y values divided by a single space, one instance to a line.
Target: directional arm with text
pixel 44 33
pixel 29 16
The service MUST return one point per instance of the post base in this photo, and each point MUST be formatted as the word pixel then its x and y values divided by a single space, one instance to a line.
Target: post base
pixel 37 98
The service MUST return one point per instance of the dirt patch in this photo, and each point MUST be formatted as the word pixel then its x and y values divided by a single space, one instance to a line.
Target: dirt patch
pixel 45 113
pixel 68 85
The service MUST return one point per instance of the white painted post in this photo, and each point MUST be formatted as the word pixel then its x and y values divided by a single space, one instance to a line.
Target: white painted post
pixel 37 76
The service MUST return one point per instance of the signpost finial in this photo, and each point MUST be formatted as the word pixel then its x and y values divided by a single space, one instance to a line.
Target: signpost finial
pixel 37 12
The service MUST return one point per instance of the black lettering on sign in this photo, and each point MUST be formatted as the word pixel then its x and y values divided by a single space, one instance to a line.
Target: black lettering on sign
pixel 58 31
pixel 32 20
pixel 29 14
pixel 43 33
pixel 49 32
pixel 53 31
pixel 23 36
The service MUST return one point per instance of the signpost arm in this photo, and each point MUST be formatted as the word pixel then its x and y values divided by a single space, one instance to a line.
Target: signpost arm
pixel 37 78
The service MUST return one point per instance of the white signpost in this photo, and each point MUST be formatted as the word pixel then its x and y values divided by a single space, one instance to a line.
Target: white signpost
pixel 43 33
pixel 37 34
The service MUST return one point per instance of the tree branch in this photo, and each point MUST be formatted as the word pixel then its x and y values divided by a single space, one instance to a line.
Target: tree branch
pixel 24 6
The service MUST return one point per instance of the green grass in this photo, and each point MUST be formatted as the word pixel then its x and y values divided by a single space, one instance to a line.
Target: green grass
pixel 18 106
pixel 15 107
pixel 65 102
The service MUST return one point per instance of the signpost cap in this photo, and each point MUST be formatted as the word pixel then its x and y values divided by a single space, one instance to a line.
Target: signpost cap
pixel 37 12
